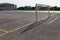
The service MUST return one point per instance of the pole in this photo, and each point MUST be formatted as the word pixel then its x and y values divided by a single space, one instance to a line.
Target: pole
pixel 49 15
pixel 36 13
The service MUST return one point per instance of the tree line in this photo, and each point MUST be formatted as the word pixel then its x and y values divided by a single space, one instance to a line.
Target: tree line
pixel 33 8
pixel 26 8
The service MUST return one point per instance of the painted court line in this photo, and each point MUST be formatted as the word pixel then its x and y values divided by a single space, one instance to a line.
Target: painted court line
pixel 16 29
pixel 3 31
pixel 53 20
pixel 20 27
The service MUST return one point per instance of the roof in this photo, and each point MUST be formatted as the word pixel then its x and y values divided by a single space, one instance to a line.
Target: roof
pixel 6 4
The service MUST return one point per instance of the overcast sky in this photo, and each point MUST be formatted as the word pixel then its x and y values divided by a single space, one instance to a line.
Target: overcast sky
pixel 32 2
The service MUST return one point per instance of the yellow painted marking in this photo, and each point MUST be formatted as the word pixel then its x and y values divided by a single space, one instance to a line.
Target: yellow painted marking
pixel 3 34
pixel 3 30
pixel 16 29
pixel 20 27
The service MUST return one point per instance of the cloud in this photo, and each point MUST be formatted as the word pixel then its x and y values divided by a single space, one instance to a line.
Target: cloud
pixel 32 2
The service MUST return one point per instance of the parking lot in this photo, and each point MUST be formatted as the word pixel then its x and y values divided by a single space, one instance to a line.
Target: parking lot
pixel 14 21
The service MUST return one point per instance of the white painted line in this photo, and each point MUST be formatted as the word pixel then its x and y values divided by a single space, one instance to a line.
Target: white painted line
pixel 53 20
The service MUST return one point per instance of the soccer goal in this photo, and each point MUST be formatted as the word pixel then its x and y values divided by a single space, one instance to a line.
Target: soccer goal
pixel 42 12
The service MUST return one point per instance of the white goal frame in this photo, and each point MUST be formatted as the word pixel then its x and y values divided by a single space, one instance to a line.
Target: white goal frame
pixel 36 9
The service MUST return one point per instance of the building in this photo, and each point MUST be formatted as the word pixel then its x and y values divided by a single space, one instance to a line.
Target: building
pixel 7 6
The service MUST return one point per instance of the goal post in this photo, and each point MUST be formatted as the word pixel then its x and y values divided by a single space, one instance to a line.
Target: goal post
pixel 41 7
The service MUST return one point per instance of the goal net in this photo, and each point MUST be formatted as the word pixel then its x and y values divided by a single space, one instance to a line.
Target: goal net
pixel 42 12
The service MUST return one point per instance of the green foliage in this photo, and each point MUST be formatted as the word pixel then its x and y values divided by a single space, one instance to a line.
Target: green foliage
pixel 33 8
pixel 26 8
pixel 55 8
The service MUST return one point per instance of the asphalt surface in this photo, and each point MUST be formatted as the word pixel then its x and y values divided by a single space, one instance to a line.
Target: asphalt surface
pixel 42 30
pixel 12 20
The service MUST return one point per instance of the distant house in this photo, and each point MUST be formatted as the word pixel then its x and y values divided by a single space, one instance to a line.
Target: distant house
pixel 7 6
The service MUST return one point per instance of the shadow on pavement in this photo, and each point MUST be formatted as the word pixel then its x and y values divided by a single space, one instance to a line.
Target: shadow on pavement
pixel 33 25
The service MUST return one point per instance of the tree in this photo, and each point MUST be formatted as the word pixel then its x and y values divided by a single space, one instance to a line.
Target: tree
pixel 26 8
pixel 20 8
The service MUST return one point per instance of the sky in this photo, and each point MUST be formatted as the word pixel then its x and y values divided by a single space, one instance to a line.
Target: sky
pixel 20 3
